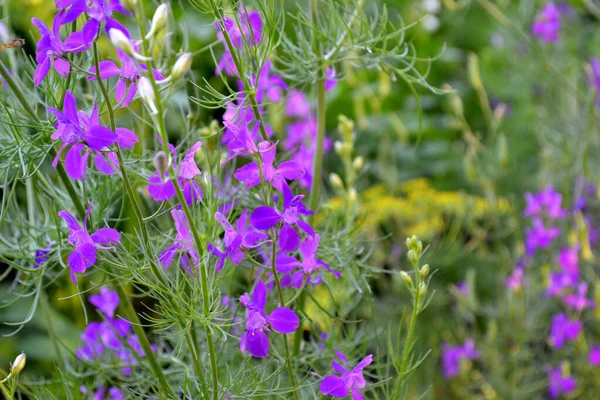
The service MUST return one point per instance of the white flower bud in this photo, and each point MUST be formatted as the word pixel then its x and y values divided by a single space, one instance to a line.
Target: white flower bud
pixel 159 20
pixel 338 146
pixel 130 4
pixel 422 289
pixel 336 181
pixel 182 65
pixel 147 94
pixel 424 271
pixel 18 364
pixel 406 278
pixel 358 163
pixel 120 41
pixel 352 196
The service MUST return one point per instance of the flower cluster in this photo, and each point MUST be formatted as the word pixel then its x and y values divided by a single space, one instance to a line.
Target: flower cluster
pixel 453 357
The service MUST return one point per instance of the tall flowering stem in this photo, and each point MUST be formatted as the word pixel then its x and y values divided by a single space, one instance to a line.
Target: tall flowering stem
pixel 321 115
pixel 197 241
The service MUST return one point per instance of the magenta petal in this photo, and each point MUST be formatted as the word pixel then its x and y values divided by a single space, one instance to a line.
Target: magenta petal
pixel 107 69
pixel 290 170
pixel 160 191
pixel 120 90
pixel 257 343
pixel 289 239
pixel 62 67
pixel 126 138
pixel 99 136
pixel 188 168
pixel 264 218
pixel 285 263
pixel 356 394
pixel 103 165
pixel 41 71
pixel 334 386
pixel 106 236
pixel 75 163
pixel 167 255
pixel 284 320
pixel 82 258
pixel 70 220
pixel 259 296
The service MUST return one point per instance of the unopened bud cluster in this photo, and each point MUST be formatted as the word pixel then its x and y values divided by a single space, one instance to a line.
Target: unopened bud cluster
pixel 417 284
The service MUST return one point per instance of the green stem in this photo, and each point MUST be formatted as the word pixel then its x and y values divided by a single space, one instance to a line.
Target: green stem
pixel 165 389
pixel 321 119
pixel 197 241
pixel 190 337
pixel 299 332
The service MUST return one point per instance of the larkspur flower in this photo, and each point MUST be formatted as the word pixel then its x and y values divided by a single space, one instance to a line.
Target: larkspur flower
pixel 349 380
pixel 83 255
pixel 548 202
pixel 563 329
pixel 236 240
pixel 309 270
pixel 453 356
pixel 41 255
pixel 106 301
pixel 258 323
pixel 83 133
pixel 267 85
pixel 52 51
pixel 98 11
pixel 568 259
pixel 547 23
pixel 248 32
pixel 129 74
pixel 594 356
pixel 184 244
pixel 163 188
pixel 539 237
pixel 578 300
pixel 559 382
pixel 265 217
pixel 251 173
pixel 516 280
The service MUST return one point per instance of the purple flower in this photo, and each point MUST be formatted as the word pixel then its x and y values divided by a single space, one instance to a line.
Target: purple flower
pixel 547 202
pixel 309 269
pixel 515 281
pixel 595 78
pixel 106 301
pixel 265 217
pixel 348 381
pixel 452 357
pixel 82 132
pixel 539 237
pixel 83 255
pixel 594 357
pixel 559 382
pixel 558 282
pixel 163 188
pixel 251 173
pixel 52 51
pixel 547 23
pixel 129 74
pixel 98 11
pixel 41 255
pixel 563 329
pixel 184 244
pixel 235 241
pixel 102 394
pixel 578 301
pixel 269 85
pixel 330 79
pixel 281 319
pixel 248 32
pixel 568 260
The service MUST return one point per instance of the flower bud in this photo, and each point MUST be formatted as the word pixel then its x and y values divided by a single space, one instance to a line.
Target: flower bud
pixel 162 162
pixel 18 365
pixel 352 196
pixel 120 41
pixel 413 257
pixel 406 278
pixel 159 20
pixel 336 181
pixel 338 146
pixel 182 65
pixel 147 94
pixel 358 163
pixel 422 289
pixel 345 127
pixel 424 271
pixel 129 4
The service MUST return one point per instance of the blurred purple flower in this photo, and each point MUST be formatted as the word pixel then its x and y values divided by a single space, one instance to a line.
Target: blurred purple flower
pixel 41 255
pixel 453 356
pixel 281 319
pixel 516 280
pixel 547 202
pixel 559 383
pixel 594 357
pixel 84 253
pixel 563 329
pixel 547 23
pixel 348 381
pixel 539 237
pixel 184 244
pixel 105 302
pixel 578 301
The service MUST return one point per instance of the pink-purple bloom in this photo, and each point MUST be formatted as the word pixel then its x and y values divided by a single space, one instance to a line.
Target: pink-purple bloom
pixel 547 23
pixel 548 202
pixel 594 356
pixel 83 255
pixel 183 245
pixel 516 280
pixel 347 381
pixel 559 382
pixel 579 300
pixel 453 356
pixel 282 319
pixel 539 236
pixel 563 329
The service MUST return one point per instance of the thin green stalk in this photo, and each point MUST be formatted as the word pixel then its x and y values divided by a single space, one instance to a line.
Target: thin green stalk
pixel 166 391
pixel 299 332
pixel 197 241
pixel 16 89
pixel 190 338
pixel 321 118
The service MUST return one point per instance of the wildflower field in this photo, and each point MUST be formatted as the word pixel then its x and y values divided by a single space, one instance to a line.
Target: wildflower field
pixel 316 199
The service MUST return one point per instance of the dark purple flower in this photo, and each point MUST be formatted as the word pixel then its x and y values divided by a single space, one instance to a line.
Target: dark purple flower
pixel 281 319
pixel 83 133
pixel 453 356
pixel 330 79
pixel 348 381
pixel 594 357
pixel 547 23
pixel 184 244
pixel 83 255
pixel 563 329
pixel 105 302
pixel 539 237
pixel 41 255
pixel 163 188
pixel 98 11
pixel 235 241
pixel 52 51
pixel 578 301
pixel 251 173
pixel 265 217
pixel 559 382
